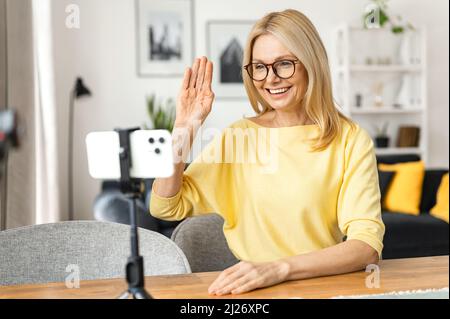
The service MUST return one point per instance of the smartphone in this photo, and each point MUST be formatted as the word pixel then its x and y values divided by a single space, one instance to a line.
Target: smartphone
pixel 151 154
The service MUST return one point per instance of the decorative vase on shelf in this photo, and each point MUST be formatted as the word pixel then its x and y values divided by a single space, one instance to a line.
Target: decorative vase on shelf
pixel 358 100
pixel 403 98
pixel 381 135
pixel 404 52
pixel 378 94
pixel 382 141
pixel 378 101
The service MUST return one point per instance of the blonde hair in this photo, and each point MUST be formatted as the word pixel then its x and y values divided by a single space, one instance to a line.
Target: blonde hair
pixel 298 34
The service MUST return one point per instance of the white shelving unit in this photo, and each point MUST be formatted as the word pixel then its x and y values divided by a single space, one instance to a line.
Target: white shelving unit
pixel 388 71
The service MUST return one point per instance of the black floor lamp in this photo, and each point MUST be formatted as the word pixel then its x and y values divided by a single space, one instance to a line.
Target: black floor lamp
pixel 79 90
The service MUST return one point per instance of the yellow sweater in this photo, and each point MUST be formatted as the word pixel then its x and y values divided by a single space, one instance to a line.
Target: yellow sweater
pixel 277 197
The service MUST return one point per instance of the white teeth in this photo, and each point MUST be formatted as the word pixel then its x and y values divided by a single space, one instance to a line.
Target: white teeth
pixel 278 91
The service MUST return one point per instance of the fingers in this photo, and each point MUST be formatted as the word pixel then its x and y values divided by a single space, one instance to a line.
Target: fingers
pixel 227 272
pixel 235 285
pixel 248 286
pixel 208 76
pixel 186 78
pixel 201 73
pixel 194 73
pixel 247 276
pixel 226 278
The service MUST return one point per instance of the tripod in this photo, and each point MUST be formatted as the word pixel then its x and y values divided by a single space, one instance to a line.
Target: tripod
pixel 130 187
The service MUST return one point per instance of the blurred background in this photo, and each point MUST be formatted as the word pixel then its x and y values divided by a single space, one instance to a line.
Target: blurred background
pixel 72 67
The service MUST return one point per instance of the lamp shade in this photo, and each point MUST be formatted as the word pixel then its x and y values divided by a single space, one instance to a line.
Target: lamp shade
pixel 81 89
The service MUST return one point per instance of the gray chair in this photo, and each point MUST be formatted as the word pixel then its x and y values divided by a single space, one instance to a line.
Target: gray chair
pixel 113 206
pixel 203 242
pixel 47 253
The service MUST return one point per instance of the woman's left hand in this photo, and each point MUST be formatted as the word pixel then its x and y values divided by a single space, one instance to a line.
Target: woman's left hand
pixel 247 276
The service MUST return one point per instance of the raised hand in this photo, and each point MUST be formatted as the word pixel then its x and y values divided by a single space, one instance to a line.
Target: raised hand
pixel 196 97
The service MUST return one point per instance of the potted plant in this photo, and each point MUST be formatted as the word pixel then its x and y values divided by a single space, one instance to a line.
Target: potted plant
pixel 381 137
pixel 376 16
pixel 162 114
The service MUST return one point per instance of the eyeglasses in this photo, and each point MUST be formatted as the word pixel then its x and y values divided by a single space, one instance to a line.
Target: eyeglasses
pixel 284 69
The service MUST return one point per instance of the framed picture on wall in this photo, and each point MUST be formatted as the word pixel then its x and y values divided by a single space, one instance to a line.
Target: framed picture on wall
pixel 225 42
pixel 164 37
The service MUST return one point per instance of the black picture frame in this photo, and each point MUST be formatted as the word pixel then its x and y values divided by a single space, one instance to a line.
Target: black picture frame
pixel 172 20
pixel 224 38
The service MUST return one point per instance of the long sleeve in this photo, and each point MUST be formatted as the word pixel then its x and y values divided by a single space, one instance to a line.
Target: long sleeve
pixel 205 181
pixel 359 207
pixel 305 203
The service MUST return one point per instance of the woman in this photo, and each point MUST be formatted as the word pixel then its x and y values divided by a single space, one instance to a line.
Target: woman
pixel 288 224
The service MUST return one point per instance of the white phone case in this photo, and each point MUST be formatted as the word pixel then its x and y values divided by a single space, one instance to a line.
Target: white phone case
pixel 151 154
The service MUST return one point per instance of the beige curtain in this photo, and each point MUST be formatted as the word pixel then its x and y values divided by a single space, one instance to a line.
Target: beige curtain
pixel 3 99
pixel 32 192
pixel 47 191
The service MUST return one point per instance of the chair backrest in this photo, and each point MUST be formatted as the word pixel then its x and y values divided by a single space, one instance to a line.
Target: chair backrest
pixel 203 242
pixel 113 206
pixel 95 250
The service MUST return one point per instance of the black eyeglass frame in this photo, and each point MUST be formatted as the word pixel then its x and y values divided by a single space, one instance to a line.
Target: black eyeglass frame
pixel 294 62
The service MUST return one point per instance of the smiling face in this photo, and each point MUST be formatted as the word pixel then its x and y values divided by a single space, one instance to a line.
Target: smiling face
pixel 279 93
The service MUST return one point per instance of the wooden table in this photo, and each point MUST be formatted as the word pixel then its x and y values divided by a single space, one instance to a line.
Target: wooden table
pixel 395 275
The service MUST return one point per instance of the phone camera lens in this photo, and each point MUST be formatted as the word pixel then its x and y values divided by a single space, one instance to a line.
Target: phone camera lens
pixel 157 150
pixel 151 140
pixel 162 140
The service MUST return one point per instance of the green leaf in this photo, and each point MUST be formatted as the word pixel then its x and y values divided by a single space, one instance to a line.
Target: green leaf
pixel 162 113
pixel 150 105
pixel 157 119
pixel 397 29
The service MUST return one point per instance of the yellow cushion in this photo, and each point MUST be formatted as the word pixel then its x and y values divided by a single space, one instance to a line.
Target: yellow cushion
pixel 440 210
pixel 405 191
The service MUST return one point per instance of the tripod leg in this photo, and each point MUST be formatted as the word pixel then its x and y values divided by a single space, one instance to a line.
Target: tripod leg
pixel 124 295
pixel 141 294
pixel 135 265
